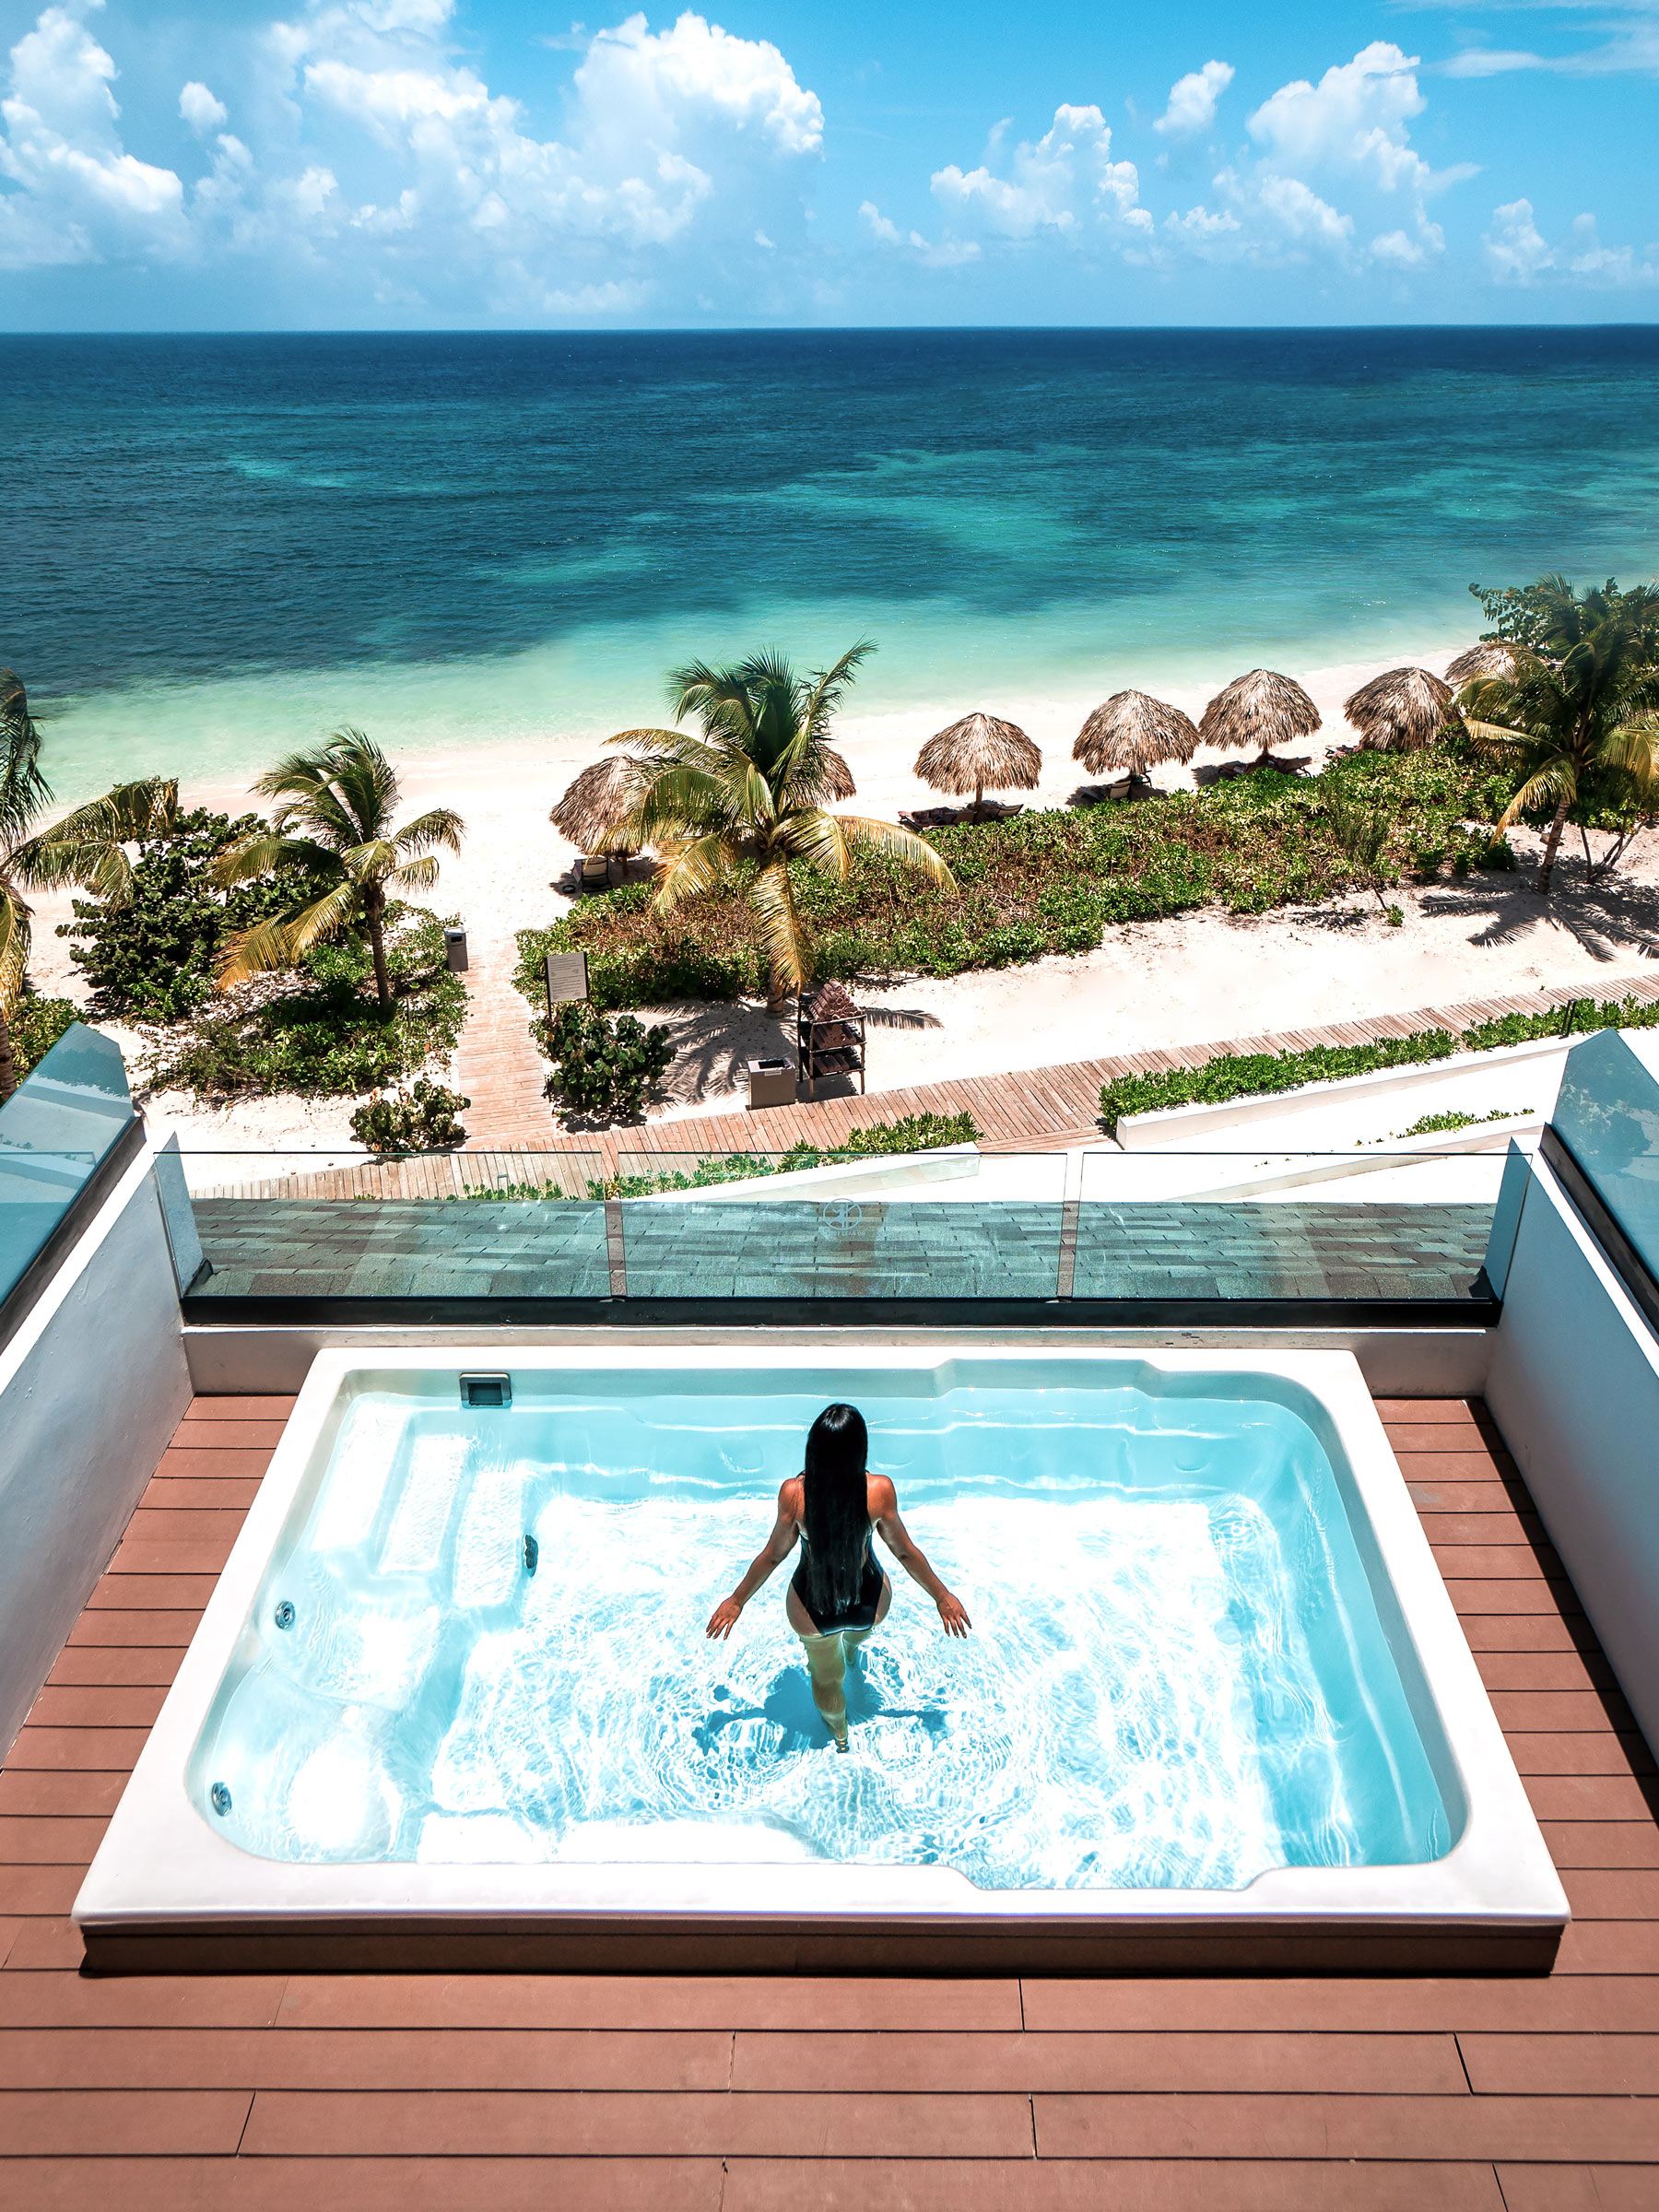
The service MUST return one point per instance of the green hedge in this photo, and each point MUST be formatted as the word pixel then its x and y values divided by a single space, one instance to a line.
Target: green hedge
pixel 1243 1075
pixel 36 1027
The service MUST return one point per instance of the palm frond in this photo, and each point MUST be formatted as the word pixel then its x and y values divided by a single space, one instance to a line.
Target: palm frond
pixel 830 685
pixel 267 851
pixel 691 867
pixel 1548 784
pixel 283 941
pixel 415 874
pixel 440 826
pixel 16 937
pixel 772 897
pixel 86 847
pixel 808 834
pixel 24 791
pixel 903 845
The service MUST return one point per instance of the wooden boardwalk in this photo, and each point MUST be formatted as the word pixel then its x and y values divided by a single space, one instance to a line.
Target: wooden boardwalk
pixel 465 2093
pixel 1027 1109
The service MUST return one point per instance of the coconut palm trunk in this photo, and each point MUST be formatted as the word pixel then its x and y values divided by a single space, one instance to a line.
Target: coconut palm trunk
pixel 374 922
pixel 1552 844
pixel 8 1065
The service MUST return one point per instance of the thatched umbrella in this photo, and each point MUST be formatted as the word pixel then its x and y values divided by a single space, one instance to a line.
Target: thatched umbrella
pixel 1492 657
pixel 840 784
pixel 594 810
pixel 980 754
pixel 1263 709
pixel 1401 711
pixel 1134 731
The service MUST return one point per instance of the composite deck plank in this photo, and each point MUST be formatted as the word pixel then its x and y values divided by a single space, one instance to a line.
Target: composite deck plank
pixel 1232 2094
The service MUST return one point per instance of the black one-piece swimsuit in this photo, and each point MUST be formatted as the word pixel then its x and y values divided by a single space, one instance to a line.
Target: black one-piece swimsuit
pixel 861 1614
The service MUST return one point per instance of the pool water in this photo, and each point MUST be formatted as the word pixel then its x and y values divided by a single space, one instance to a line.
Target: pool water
pixel 1177 1677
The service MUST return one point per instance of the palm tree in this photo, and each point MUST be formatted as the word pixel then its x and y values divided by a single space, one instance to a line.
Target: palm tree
pixel 750 793
pixel 1579 705
pixel 85 848
pixel 334 825
pixel 1360 834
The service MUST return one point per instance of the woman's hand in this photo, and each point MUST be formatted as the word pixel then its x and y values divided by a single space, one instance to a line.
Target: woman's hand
pixel 953 1619
pixel 724 1617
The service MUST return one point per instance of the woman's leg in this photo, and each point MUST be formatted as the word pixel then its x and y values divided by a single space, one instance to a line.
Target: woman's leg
pixel 827 1666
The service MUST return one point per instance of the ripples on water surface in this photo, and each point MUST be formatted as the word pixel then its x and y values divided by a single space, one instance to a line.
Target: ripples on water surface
pixel 1176 1678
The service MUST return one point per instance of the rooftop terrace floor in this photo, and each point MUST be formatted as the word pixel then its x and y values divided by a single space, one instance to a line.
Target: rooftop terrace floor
pixel 1141 2094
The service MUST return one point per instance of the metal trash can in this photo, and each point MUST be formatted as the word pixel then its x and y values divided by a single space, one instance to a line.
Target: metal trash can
pixel 454 950
pixel 771 1082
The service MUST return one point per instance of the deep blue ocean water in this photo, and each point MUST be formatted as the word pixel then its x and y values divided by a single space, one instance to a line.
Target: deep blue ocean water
pixel 216 544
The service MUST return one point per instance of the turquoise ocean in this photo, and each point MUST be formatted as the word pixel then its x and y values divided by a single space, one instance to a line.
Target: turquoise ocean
pixel 216 548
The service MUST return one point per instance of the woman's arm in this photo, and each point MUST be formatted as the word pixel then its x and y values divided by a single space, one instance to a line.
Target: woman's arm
pixel 884 1503
pixel 776 1549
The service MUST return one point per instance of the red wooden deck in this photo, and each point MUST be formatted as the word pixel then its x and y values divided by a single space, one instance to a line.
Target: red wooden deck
pixel 503 2092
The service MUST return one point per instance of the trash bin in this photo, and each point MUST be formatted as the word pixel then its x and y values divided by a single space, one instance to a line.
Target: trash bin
pixel 454 950
pixel 772 1083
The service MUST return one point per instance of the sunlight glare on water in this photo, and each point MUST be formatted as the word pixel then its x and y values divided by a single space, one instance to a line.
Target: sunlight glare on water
pixel 1177 1676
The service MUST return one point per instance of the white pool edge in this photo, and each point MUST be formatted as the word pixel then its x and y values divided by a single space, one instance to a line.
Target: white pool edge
pixel 160 1868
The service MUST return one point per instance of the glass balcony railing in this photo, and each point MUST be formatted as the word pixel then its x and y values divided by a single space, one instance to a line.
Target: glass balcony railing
pixel 56 1131
pixel 1405 1227
pixel 1607 1116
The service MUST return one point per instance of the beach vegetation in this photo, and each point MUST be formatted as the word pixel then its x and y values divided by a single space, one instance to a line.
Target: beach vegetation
pixel 36 1025
pixel 151 956
pixel 322 1031
pixel 1574 717
pixel 602 1066
pixel 85 848
pixel 738 812
pixel 426 1118
pixel 1245 1075
pixel 1043 882
pixel 1361 834
pixel 334 826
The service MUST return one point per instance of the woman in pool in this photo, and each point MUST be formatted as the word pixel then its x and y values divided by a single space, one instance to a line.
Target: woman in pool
pixel 839 1593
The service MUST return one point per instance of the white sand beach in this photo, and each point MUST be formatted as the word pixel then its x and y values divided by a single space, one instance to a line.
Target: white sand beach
pixel 1187 979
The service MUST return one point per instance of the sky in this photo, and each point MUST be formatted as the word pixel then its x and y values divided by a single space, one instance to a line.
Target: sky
pixel 386 164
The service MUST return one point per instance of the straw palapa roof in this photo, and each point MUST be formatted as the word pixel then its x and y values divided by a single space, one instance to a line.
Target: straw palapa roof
pixel 597 805
pixel 1261 710
pixel 979 753
pixel 1134 731
pixel 1492 657
pixel 840 783
pixel 1401 711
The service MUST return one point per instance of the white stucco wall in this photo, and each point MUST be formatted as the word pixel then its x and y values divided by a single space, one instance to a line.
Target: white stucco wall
pixel 1573 1383
pixel 92 1387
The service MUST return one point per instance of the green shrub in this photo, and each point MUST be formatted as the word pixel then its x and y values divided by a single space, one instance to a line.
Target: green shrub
pixel 915 1133
pixel 153 959
pixel 1433 1125
pixel 322 1035
pixel 1040 883
pixel 422 1120
pixel 36 1027
pixel 1581 1016
pixel 1243 1075
pixel 603 1067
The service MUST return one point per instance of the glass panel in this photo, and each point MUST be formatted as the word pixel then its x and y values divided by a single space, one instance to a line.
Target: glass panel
pixel 705 1225
pixel 56 1129
pixel 1608 1114
pixel 463 1225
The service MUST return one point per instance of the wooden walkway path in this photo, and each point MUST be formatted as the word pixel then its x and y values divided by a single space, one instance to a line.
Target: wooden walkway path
pixel 480 2093
pixel 1026 1110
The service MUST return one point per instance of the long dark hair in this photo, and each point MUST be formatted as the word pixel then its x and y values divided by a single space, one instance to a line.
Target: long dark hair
pixel 838 1513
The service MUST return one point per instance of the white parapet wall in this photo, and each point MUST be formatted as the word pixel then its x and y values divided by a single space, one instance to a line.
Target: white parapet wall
pixel 92 1387
pixel 1573 1383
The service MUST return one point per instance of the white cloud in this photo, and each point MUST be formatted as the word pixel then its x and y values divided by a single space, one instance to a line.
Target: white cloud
pixel 949 255
pixel 1063 181
pixel 372 133
pixel 1518 253
pixel 81 195
pixel 199 109
pixel 1489 61
pixel 1192 101
pixel 1516 250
